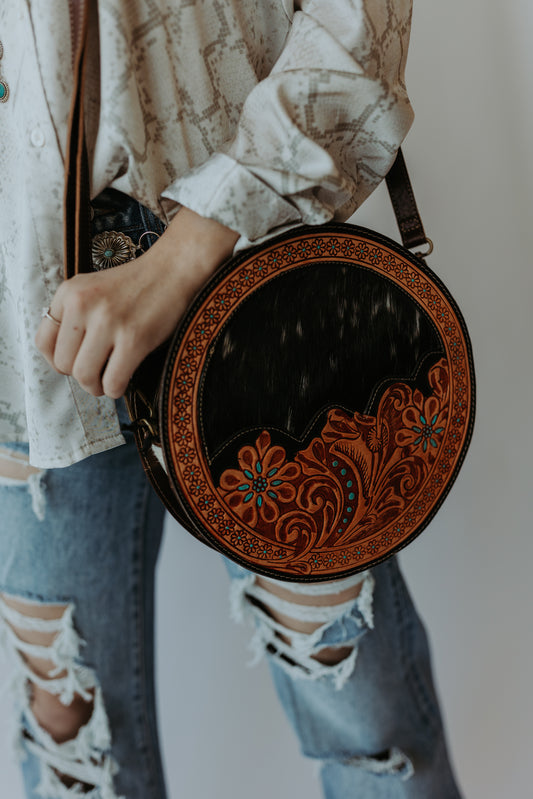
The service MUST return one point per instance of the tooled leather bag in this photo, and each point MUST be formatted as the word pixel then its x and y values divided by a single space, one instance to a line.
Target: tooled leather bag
pixel 313 408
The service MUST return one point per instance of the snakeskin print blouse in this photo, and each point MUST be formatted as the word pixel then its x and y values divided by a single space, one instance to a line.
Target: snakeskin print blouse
pixel 246 111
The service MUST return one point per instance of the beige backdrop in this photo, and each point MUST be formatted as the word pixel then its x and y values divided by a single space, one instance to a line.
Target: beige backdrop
pixel 469 156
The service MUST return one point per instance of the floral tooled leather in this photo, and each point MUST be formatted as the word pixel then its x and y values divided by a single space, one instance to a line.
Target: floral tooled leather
pixel 355 477
pixel 263 484
pixel 366 484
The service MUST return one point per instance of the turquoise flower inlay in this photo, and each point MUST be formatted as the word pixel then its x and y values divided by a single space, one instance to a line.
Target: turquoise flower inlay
pixel 424 423
pixel 427 432
pixel 263 481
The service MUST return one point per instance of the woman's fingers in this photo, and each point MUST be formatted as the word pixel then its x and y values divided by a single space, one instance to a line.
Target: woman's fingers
pixel 68 342
pixel 91 360
pixel 123 361
pixel 81 344
pixel 46 337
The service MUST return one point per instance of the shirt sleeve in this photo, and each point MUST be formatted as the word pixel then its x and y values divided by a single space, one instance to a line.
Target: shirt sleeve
pixel 318 134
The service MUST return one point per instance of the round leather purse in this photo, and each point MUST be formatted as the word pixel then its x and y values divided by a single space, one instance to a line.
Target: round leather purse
pixel 314 407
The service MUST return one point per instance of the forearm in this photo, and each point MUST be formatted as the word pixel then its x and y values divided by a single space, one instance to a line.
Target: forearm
pixel 189 251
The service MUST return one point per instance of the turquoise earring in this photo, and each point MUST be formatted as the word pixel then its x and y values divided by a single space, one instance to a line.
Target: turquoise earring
pixel 4 88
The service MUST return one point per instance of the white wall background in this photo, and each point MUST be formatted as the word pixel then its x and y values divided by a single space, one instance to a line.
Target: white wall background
pixel 470 161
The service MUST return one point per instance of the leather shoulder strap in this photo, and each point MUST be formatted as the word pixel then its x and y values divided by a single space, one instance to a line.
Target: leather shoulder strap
pixel 76 222
pixel 404 204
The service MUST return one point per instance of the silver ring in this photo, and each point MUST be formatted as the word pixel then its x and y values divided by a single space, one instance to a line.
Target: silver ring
pixel 48 315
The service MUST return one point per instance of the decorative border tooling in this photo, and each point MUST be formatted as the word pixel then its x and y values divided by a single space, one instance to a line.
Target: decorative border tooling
pixel 366 485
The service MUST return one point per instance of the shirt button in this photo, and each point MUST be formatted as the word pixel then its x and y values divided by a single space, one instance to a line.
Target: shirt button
pixel 37 137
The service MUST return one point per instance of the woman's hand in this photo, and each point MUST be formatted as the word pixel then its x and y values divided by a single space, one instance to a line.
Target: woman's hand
pixel 111 320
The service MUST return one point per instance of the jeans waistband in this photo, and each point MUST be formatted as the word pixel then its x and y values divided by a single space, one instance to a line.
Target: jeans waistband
pixel 114 210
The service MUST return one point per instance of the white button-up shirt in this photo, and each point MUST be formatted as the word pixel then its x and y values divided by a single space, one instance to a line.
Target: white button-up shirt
pixel 245 111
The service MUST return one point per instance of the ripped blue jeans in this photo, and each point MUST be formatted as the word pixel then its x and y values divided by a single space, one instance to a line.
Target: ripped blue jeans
pixel 83 542
pixel 87 539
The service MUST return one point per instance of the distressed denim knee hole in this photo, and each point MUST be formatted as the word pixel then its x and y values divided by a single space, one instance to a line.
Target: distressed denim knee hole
pixel 340 626
pixel 81 764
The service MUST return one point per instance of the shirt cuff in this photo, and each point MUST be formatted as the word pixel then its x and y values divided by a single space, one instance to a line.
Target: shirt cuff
pixel 225 190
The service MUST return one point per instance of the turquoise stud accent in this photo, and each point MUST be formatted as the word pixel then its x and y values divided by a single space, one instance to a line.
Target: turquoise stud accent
pixel 351 496
pixel 335 464
pixel 111 248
